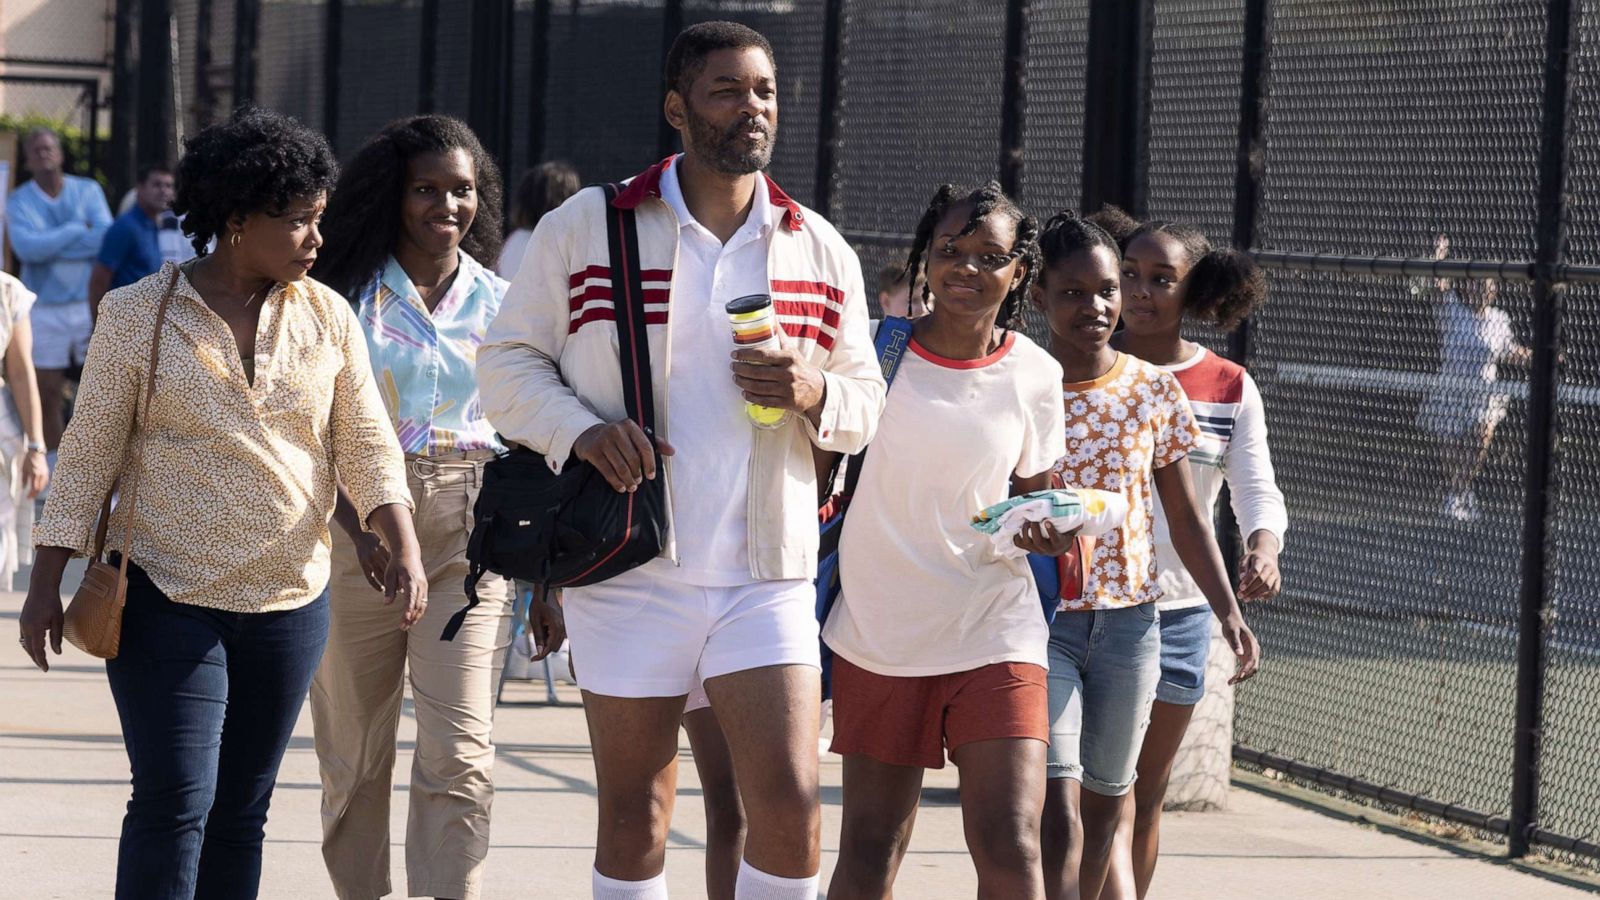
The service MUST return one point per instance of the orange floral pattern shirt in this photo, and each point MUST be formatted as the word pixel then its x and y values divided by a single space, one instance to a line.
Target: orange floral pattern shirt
pixel 1121 427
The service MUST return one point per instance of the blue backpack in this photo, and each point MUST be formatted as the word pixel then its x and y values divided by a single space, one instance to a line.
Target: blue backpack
pixel 894 334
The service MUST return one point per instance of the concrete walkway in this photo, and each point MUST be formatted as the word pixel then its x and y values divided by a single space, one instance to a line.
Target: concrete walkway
pixel 63 782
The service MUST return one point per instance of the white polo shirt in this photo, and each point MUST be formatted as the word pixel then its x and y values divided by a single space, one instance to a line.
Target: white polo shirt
pixel 707 424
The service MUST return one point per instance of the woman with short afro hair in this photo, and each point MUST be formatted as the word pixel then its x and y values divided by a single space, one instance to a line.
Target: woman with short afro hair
pixel 260 403
pixel 414 213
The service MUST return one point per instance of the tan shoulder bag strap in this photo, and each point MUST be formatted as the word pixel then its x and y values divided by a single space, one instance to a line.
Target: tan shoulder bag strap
pixel 136 463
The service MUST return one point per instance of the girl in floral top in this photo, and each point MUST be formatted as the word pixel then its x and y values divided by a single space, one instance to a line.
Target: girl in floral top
pixel 1171 274
pixel 1128 429
pixel 416 210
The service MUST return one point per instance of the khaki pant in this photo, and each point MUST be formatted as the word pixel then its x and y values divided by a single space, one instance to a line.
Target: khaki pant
pixel 355 706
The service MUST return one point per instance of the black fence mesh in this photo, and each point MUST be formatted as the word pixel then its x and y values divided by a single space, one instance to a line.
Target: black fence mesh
pixel 603 104
pixel 291 50
pixel 1392 657
pixel 1394 121
pixel 451 34
pixel 55 33
pixel 1569 784
pixel 378 47
pixel 905 125
pixel 1392 652
pixel 1196 55
pixel 203 60
pixel 1052 172
pixel 1194 112
pixel 524 104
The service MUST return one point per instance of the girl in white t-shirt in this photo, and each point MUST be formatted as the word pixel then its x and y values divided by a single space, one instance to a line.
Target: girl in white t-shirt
pixel 938 640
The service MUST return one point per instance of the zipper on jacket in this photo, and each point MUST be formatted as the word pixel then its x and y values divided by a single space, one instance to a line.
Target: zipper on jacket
pixel 666 387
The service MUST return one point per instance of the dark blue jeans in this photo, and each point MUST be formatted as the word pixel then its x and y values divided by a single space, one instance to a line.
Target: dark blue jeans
pixel 207 700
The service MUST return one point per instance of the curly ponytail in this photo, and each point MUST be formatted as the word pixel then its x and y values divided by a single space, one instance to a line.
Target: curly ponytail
pixel 1225 286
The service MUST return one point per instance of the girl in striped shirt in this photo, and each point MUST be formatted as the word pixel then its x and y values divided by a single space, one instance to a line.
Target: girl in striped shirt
pixel 1170 272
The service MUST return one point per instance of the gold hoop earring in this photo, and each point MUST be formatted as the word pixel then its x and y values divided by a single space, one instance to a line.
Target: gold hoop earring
pixel 234 241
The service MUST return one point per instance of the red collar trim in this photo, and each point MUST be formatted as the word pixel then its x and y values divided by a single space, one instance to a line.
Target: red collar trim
pixel 998 354
pixel 648 184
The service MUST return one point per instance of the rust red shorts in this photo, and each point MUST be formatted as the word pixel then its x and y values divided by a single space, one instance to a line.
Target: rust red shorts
pixel 911 721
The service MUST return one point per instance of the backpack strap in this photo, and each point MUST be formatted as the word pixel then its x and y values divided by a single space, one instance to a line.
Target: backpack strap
pixel 894 337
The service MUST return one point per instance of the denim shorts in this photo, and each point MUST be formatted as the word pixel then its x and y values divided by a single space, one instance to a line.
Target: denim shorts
pixel 1104 666
pixel 1185 649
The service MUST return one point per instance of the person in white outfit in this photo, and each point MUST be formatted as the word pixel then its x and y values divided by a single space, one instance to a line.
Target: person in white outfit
pixel 23 471
pixel 732 596
pixel 1466 406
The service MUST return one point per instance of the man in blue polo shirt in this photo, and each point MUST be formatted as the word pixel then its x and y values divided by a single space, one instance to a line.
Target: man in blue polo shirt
pixel 132 246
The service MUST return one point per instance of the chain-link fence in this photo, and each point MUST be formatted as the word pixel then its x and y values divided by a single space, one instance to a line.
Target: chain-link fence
pixel 65 104
pixel 1438 642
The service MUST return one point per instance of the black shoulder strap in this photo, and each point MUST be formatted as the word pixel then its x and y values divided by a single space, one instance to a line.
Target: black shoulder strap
pixel 627 298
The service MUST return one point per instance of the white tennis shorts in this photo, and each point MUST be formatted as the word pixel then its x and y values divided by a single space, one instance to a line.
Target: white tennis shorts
pixel 645 635
pixel 60 334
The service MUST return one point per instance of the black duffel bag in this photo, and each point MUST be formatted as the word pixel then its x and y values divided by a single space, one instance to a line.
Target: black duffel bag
pixel 573 529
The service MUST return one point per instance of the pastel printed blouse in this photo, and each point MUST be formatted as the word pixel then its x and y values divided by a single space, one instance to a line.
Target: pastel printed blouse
pixel 426 363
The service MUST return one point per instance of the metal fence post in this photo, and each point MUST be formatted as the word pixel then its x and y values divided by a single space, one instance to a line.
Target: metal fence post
pixel 427 54
pixel 120 166
pixel 671 24
pixel 332 59
pixel 1249 171
pixel 1014 97
pixel 205 96
pixel 153 121
pixel 489 95
pixel 1117 100
pixel 538 81
pixel 1251 161
pixel 246 39
pixel 1549 293
pixel 92 132
pixel 828 105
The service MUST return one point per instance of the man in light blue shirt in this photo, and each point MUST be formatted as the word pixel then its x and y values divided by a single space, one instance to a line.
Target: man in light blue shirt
pixel 56 222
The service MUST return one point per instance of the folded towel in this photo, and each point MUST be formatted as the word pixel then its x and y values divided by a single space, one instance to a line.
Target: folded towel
pixel 1084 511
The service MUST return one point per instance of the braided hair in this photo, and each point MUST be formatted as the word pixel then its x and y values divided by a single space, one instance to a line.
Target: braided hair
pixel 1224 284
pixel 1066 234
pixel 986 200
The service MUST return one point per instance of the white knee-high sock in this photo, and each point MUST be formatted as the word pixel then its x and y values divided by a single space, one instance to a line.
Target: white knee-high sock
pixel 754 884
pixel 613 889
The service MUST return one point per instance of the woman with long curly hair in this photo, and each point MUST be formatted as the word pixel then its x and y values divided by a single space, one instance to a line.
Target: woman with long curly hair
pixel 262 402
pixel 415 211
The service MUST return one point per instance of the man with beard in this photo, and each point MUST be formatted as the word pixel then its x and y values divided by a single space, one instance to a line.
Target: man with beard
pixel 730 603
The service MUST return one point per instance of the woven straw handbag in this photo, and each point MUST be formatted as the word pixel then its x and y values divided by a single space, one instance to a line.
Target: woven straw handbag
pixel 93 620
